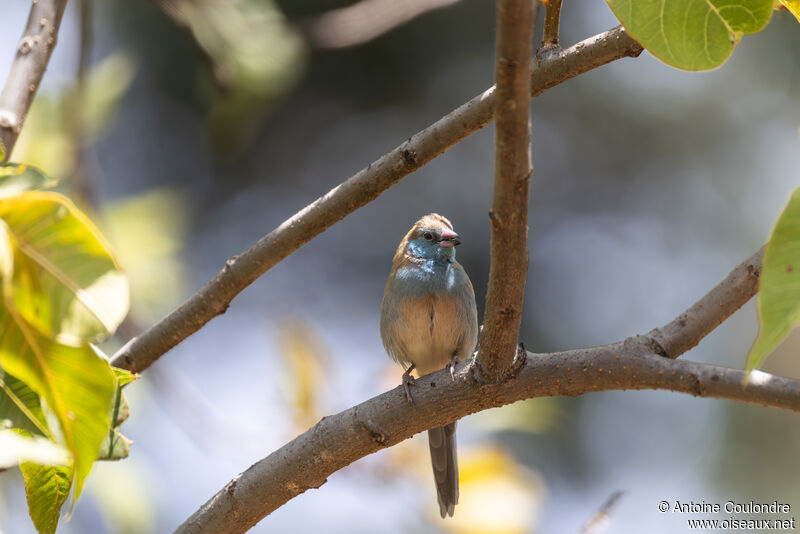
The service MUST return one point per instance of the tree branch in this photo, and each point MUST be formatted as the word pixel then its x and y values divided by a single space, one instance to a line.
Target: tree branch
pixel 386 420
pixel 27 70
pixel 508 269
pixel 240 271
pixel 686 330
pixel 552 20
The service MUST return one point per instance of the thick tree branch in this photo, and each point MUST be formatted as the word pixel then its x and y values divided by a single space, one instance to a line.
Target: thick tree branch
pixel 386 420
pixel 552 20
pixel 383 421
pixel 240 271
pixel 508 269
pixel 27 70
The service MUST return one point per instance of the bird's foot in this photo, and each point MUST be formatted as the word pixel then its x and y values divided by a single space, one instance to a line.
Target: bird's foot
pixel 408 381
pixel 451 367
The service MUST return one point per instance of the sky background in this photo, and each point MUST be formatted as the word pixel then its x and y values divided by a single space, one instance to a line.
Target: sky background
pixel 650 184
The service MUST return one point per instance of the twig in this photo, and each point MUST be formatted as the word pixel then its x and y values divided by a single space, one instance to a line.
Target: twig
pixel 339 440
pixel 240 271
pixel 364 21
pixel 600 519
pixel 686 330
pixel 508 270
pixel 552 20
pixel 27 70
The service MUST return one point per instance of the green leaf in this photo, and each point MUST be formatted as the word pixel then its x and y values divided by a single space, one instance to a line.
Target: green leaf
pixel 16 448
pixel 123 376
pixel 21 405
pixel 47 488
pixel 65 280
pixel 115 446
pixel 77 385
pixel 691 34
pixel 779 285
pixel 16 178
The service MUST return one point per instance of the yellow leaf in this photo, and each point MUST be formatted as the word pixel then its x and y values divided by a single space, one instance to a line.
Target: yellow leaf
pixel 77 385
pixel 65 281
pixel 497 494
pixel 793 6
pixel 301 351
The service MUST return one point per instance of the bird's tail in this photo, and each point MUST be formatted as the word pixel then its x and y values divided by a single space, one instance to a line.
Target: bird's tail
pixel 442 443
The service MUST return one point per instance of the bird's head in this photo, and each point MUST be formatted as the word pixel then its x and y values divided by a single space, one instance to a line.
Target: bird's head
pixel 431 238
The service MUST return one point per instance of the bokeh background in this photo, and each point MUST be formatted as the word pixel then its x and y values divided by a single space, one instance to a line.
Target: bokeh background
pixel 190 130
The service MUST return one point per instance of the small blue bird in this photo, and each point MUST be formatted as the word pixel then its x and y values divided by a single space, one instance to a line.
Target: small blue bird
pixel 429 320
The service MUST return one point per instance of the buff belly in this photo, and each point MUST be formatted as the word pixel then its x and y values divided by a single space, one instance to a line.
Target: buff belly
pixel 428 332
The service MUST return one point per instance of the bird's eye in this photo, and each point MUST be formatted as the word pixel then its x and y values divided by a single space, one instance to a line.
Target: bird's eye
pixel 428 236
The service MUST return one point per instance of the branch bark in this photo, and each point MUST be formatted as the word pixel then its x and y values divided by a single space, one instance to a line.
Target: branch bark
pixel 508 269
pixel 385 420
pixel 240 271
pixel 27 70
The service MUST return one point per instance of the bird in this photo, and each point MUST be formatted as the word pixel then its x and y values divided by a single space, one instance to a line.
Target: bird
pixel 429 320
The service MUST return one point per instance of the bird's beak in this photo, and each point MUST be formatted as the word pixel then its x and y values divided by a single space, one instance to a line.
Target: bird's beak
pixel 449 239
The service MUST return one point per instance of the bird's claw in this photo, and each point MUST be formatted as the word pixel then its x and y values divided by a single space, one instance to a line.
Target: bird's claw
pixel 408 381
pixel 451 367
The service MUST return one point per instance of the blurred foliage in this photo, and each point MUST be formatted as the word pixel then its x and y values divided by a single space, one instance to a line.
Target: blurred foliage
pixel 302 351
pixel 62 289
pixel 16 447
pixel 127 497
pixel 779 285
pixel 102 92
pixel 16 178
pixel 691 35
pixel 532 415
pixel 53 135
pixel 757 454
pixel 255 57
pixel 148 232
pixel 497 495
